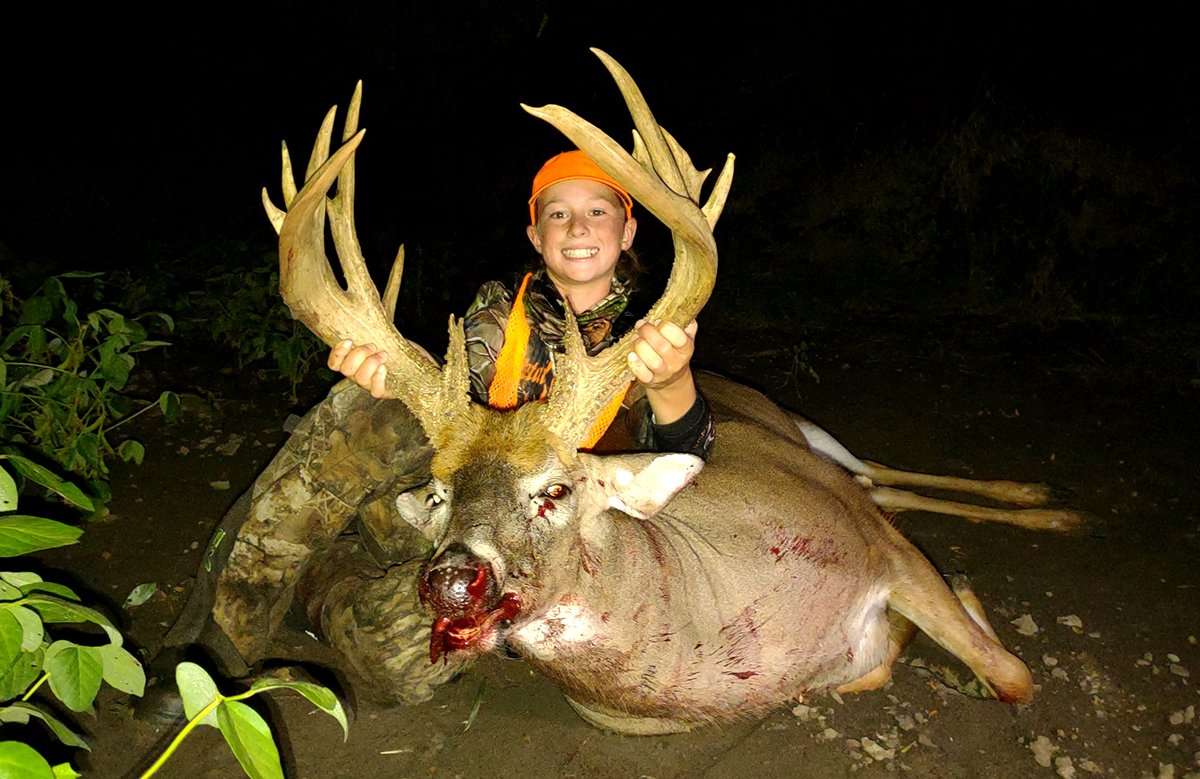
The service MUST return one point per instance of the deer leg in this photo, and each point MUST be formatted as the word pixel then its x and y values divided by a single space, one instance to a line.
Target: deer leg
pixel 966 596
pixel 1016 493
pixel 900 632
pixel 1031 519
pixel 920 594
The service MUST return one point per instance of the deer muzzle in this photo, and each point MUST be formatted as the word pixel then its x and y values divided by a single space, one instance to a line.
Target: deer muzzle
pixel 461 591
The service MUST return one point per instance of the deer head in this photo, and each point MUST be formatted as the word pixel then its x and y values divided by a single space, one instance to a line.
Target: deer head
pixel 510 492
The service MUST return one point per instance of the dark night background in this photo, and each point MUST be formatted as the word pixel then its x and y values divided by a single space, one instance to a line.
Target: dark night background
pixel 963 241
pixel 1027 162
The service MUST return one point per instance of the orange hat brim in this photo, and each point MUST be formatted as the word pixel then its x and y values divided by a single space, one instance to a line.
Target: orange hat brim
pixel 572 165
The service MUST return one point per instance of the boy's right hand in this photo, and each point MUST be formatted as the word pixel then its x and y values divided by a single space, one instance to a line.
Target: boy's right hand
pixel 363 364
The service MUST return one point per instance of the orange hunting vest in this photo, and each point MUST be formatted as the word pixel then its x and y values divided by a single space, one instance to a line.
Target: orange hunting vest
pixel 512 368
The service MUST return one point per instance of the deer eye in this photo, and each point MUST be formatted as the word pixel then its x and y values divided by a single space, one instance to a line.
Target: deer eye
pixel 556 491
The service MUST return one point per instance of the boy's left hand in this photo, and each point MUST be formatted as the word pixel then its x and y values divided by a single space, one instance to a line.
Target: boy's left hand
pixel 661 355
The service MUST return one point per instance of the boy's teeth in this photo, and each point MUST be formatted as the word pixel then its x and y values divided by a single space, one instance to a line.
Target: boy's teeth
pixel 579 254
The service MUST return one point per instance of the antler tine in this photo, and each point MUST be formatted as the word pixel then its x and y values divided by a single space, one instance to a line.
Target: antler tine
pixel 665 182
pixel 391 291
pixel 288 181
pixel 288 177
pixel 340 207
pixel 720 192
pixel 356 312
pixel 663 161
pixel 695 178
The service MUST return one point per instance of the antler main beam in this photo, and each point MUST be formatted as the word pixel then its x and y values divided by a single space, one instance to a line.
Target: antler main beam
pixel 357 312
pixel 661 177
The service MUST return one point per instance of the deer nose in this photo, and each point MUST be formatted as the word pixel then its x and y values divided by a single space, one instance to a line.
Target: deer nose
pixel 458 584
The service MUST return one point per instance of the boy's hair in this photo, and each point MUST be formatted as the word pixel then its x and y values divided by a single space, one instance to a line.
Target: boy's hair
pixel 573 165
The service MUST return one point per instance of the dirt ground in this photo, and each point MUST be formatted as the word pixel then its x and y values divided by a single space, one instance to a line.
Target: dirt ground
pixel 1107 412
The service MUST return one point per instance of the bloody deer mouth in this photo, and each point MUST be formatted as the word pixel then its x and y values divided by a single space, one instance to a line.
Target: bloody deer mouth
pixel 448 634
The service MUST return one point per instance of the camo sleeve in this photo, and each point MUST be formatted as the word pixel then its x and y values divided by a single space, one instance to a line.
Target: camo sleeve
pixel 484 328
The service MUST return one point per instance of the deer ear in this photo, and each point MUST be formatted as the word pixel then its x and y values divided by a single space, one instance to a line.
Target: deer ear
pixel 639 484
pixel 418 508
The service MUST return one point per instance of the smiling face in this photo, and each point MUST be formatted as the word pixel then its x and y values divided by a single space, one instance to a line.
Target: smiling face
pixel 581 231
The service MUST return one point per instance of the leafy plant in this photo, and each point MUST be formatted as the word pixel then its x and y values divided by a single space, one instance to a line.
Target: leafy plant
pixel 245 731
pixel 245 312
pixel 62 376
pixel 29 656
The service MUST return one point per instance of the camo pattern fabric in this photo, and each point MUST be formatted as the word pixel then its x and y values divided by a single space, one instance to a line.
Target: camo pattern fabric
pixel 374 619
pixel 488 314
pixel 346 450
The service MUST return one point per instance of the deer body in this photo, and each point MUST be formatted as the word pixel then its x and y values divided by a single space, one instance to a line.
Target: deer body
pixel 767 577
pixel 659 592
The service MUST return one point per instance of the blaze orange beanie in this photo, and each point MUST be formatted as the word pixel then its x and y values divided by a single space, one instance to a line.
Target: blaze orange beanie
pixel 573 165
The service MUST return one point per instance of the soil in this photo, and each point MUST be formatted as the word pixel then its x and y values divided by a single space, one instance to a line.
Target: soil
pixel 1106 411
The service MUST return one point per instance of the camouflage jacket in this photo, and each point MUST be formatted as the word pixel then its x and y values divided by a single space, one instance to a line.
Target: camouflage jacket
pixel 600 326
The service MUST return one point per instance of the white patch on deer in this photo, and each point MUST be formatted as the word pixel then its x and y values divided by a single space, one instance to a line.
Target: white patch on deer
pixel 562 625
pixel 869 622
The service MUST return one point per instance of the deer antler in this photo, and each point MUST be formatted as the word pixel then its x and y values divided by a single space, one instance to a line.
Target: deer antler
pixel 357 313
pixel 660 176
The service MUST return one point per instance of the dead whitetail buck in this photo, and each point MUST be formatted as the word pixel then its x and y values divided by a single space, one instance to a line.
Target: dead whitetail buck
pixel 658 591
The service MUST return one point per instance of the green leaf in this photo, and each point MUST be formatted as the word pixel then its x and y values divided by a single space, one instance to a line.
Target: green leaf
pixel 21 534
pixel 166 319
pixel 140 594
pixel 321 697
pixel 135 331
pixel 75 673
pixel 54 588
pixel 168 403
pixel 117 325
pixel 19 578
pixel 36 379
pixel 43 476
pixel 8 487
pixel 87 445
pixel 249 736
pixel 37 311
pixel 100 490
pixel 144 346
pixel 9 592
pixel 14 715
pixel 3 374
pixel 23 672
pixel 80 274
pixel 198 690
pixel 11 634
pixel 115 369
pixel 20 712
pixel 55 609
pixel 21 761
pixel 70 313
pixel 32 631
pixel 131 451
pixel 122 670
pixel 35 335
pixel 65 771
